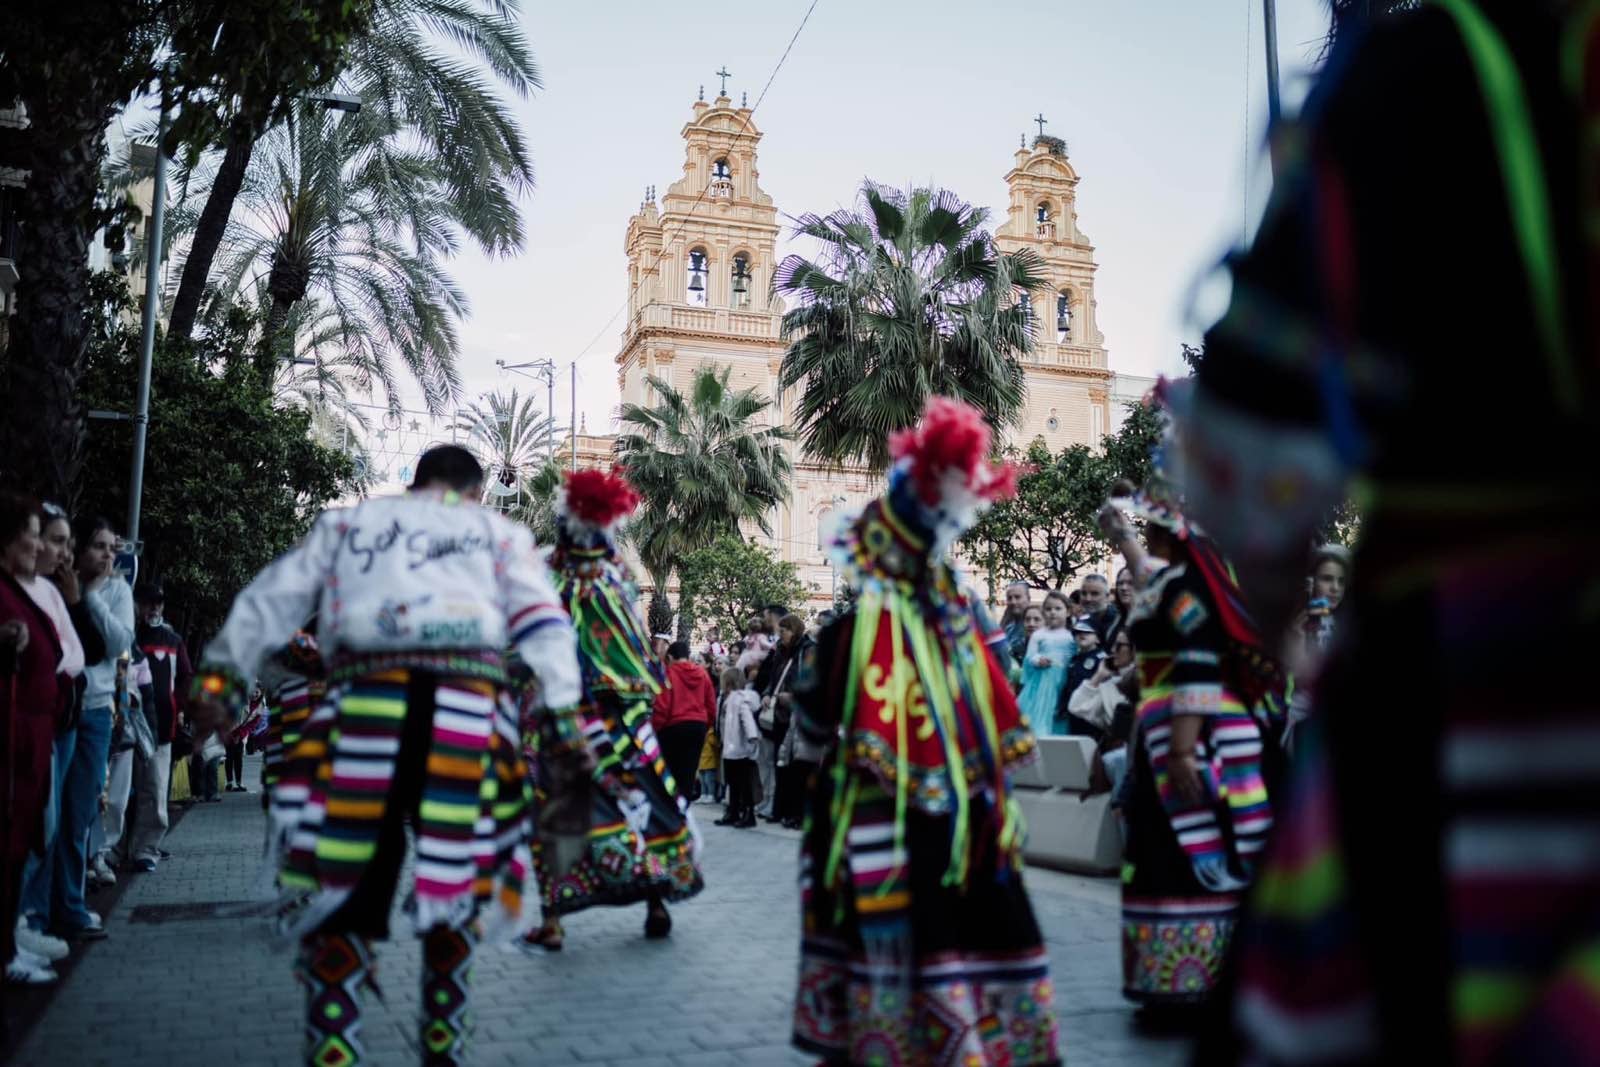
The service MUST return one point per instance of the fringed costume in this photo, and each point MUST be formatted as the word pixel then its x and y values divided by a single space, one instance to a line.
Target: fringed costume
pixel 919 944
pixel 640 845
pixel 294 680
pixel 416 597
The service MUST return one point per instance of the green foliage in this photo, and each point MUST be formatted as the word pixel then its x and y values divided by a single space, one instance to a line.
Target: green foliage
pixel 703 463
pixel 909 299
pixel 237 64
pixel 1343 527
pixel 241 64
pixel 345 212
pixel 232 479
pixel 730 580
pixel 509 435
pixel 537 508
pixel 1046 534
pixel 1127 452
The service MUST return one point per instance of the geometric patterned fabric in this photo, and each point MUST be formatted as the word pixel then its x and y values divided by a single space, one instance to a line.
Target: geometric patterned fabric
pixel 446 977
pixel 333 967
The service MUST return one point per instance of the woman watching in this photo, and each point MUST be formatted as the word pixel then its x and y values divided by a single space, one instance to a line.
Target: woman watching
pixel 33 691
pixel 796 758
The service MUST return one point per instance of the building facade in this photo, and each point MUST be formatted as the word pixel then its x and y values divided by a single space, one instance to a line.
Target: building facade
pixel 700 266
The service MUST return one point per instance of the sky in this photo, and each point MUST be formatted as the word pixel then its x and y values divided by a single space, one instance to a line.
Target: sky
pixel 1161 105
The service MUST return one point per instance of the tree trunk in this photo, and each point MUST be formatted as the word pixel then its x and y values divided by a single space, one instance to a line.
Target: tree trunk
pixel 287 285
pixel 44 423
pixel 660 614
pixel 208 235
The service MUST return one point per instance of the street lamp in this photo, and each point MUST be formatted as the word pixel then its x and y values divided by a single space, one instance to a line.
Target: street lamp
pixel 833 570
pixel 336 101
pixel 537 369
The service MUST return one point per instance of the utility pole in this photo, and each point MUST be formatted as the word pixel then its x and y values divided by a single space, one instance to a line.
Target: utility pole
pixel 540 368
pixel 574 415
pixel 147 335
pixel 1269 19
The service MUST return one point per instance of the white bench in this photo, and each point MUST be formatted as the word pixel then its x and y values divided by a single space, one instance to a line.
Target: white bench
pixel 1065 829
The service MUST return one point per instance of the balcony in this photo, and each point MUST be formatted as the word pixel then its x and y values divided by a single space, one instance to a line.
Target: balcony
pixel 694 319
pixel 754 324
pixel 1073 357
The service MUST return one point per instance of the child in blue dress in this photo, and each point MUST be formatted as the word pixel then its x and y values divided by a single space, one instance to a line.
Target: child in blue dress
pixel 1044 667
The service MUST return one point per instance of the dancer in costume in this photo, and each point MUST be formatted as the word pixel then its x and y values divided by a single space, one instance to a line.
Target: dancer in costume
pixel 640 843
pixel 417 597
pixel 1198 814
pixel 919 944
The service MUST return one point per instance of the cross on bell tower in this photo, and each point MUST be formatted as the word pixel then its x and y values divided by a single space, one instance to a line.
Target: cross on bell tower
pixel 724 75
pixel 1041 121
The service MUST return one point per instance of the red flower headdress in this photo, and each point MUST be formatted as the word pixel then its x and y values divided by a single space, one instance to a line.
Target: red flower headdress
pixel 595 500
pixel 948 452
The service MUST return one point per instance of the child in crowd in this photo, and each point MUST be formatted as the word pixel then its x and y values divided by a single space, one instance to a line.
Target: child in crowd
pixel 740 744
pixel 1044 668
pixel 1032 623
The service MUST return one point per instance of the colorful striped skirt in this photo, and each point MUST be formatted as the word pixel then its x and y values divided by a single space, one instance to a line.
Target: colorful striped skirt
pixel 1187 865
pixel 471 829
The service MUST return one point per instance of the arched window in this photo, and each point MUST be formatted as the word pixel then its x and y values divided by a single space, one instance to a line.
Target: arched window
pixel 741 281
pixel 1044 220
pixel 697 276
pixel 1025 305
pixel 722 179
pixel 824 518
pixel 1063 316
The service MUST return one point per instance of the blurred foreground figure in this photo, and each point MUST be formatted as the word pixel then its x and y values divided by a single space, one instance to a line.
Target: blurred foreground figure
pixel 1431 894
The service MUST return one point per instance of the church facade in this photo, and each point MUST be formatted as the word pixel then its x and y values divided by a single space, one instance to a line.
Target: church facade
pixel 700 265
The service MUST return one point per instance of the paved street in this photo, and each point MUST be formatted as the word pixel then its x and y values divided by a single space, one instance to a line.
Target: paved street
pixel 183 986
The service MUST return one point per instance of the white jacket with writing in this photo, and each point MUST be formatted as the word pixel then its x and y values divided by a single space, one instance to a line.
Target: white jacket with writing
pixel 408 573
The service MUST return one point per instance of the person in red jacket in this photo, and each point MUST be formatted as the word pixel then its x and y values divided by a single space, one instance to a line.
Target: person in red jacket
pixel 683 713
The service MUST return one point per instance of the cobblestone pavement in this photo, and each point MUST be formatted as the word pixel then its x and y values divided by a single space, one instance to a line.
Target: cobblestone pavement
pixel 192 988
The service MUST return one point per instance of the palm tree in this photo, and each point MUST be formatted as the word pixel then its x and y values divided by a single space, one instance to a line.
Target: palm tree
pixel 909 299
pixel 344 212
pixel 408 66
pixel 536 504
pixel 510 435
pixel 703 464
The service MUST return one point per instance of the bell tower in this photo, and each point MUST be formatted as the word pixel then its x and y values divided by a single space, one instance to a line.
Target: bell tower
pixel 700 264
pixel 1069 382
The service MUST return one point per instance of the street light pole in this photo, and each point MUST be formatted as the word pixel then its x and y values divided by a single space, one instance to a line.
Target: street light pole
pixel 147 332
pixel 833 568
pixel 1269 19
pixel 539 368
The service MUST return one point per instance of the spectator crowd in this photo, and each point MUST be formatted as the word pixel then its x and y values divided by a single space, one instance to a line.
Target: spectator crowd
pixel 92 681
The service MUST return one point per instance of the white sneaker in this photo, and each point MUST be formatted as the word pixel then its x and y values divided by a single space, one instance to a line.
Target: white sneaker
pixel 28 969
pixel 40 944
pixel 100 872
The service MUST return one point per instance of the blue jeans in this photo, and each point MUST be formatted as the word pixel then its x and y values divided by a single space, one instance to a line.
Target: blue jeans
pixel 36 873
pixel 82 783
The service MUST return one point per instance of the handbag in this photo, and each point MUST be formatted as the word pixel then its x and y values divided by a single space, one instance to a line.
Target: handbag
pixel 768 720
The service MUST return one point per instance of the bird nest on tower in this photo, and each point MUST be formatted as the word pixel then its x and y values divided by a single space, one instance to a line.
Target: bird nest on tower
pixel 1054 145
